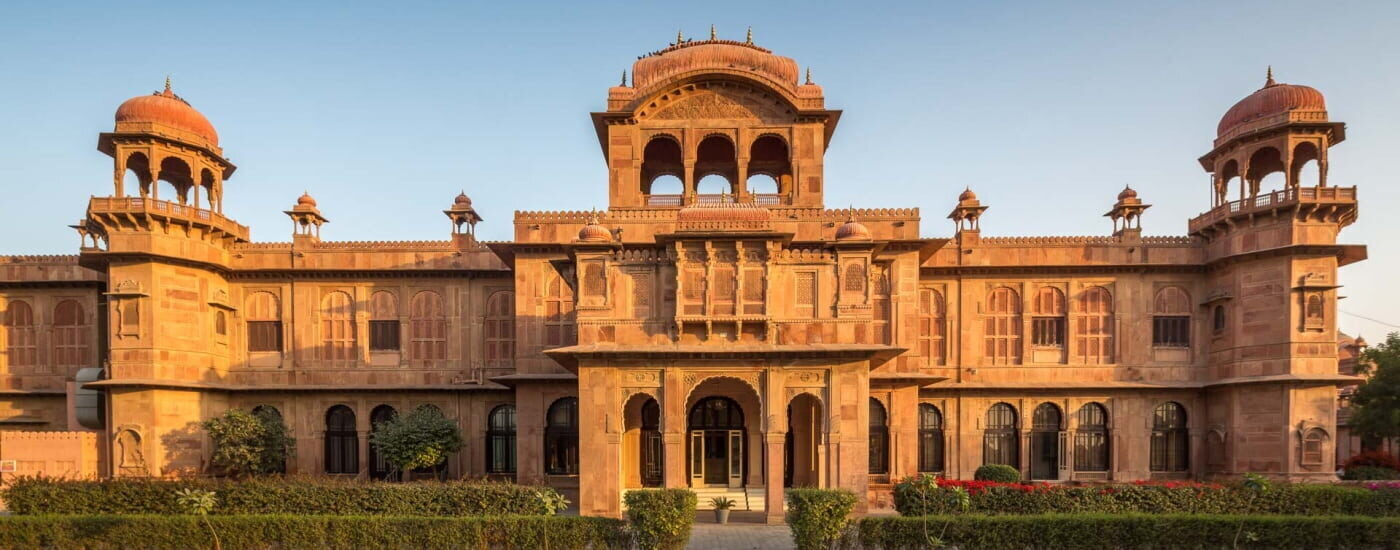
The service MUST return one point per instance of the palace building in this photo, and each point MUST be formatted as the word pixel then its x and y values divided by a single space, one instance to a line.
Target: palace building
pixel 716 327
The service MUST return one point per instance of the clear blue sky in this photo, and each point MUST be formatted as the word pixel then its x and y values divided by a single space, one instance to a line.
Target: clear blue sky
pixel 385 111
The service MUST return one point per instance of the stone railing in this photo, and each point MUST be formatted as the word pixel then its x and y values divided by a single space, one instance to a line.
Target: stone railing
pixel 170 210
pixel 1277 199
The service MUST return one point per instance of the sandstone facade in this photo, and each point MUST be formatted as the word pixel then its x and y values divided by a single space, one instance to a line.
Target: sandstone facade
pixel 747 338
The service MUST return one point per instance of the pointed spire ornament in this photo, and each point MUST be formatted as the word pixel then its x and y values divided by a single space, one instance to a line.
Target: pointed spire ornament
pixel 1269 78
pixel 809 75
pixel 712 32
pixel 167 84
pixel 624 78
pixel 749 38
pixel 679 38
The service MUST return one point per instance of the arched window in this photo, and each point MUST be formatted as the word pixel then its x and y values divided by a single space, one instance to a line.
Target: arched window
pixel 716 169
pixel 1314 441
pixel 70 335
pixel 932 326
pixel 1046 421
pixel 1002 326
pixel 338 328
pixel 427 327
pixel 561 437
pixel 1218 319
pixel 379 468
pixel 384 321
pixel 930 438
pixel 662 170
pixel 716 413
pixel 1170 444
pixel 1091 439
pixel 264 316
pixel 880 302
pixel 1171 318
pixel 559 313
pixel 1312 312
pixel 1048 318
pixel 879 438
pixel 769 162
pixel 500 329
pixel 342 441
pixel 1093 326
pixel 500 440
pixel 19 331
pixel 999 439
pixel 269 414
pixel 220 323
pixel 855 278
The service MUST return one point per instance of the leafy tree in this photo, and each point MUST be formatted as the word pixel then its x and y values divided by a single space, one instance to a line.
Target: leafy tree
pixel 420 439
pixel 248 443
pixel 1376 403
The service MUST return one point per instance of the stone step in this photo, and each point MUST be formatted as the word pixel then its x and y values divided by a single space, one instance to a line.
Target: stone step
pixel 745 498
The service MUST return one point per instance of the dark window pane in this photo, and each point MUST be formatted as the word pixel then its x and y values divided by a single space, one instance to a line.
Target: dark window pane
pixel 1173 331
pixel 264 336
pixel 1048 331
pixel 384 335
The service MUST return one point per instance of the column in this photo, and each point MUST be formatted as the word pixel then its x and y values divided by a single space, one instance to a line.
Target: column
pixel 673 435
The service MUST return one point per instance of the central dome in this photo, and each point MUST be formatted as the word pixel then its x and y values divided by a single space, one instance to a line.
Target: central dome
pixel 1273 99
pixel 694 55
pixel 167 109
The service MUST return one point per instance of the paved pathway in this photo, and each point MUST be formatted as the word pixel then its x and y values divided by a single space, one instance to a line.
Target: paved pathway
pixel 745 531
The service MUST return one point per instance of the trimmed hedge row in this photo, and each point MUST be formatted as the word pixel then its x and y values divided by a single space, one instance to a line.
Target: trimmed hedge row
pixel 660 518
pixel 284 532
pixel 917 496
pixel 1129 531
pixel 818 517
pixel 33 495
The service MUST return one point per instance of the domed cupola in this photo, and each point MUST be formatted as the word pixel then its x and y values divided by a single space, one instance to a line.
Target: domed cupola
pixel 166 111
pixel 852 230
pixel 594 232
pixel 1274 103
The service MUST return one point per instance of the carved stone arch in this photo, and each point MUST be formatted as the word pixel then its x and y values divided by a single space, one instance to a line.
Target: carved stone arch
pixel 718 99
pixel 694 380
pixel 815 393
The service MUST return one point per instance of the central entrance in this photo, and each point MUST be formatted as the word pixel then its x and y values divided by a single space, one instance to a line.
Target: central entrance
pixel 716 426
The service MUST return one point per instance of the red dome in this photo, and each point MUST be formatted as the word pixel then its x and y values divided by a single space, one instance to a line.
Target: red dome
pixel 1127 193
pixel 167 109
pixel 967 195
pixel 306 200
pixel 1272 99
pixel 852 231
pixel 714 54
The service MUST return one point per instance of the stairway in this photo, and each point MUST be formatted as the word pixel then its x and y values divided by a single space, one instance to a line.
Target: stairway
pixel 745 498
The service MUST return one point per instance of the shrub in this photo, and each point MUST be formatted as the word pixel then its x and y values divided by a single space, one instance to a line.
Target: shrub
pixel 420 439
pixel 289 532
pixel 37 495
pixel 660 519
pixel 916 496
pixel 1369 473
pixel 1132 531
pixel 997 472
pixel 1380 459
pixel 819 517
pixel 248 443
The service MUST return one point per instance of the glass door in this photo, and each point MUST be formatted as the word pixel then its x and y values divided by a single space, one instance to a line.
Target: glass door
pixel 736 459
pixel 697 458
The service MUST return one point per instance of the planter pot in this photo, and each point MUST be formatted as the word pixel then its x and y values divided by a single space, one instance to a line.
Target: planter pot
pixel 722 517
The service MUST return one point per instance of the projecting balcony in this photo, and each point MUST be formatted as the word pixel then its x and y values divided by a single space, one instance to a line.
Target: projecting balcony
pixel 1337 204
pixel 760 199
pixel 136 212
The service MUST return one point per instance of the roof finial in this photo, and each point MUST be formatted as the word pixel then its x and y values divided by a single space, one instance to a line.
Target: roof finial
pixel 679 37
pixel 712 31
pixel 749 38
pixel 851 213
pixel 167 85
pixel 809 74
pixel 624 78
pixel 1269 79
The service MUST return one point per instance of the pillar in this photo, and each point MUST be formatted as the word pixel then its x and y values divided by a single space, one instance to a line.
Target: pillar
pixel 673 437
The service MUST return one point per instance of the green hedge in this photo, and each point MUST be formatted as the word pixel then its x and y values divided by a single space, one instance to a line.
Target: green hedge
pixel 1130 531
pixel 997 472
pixel 284 532
pixel 819 517
pixel 919 496
pixel 32 495
pixel 660 518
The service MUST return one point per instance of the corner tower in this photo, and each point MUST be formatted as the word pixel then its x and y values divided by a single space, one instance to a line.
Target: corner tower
pixel 721 108
pixel 1271 286
pixel 165 253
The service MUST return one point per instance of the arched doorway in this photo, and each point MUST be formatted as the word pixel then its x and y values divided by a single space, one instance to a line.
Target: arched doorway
pixel 717 443
pixel 803 450
pixel 642 445
pixel 1046 442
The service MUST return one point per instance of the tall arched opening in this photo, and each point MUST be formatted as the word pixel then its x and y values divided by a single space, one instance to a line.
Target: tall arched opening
pixel 802 463
pixel 642 446
pixel 724 439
